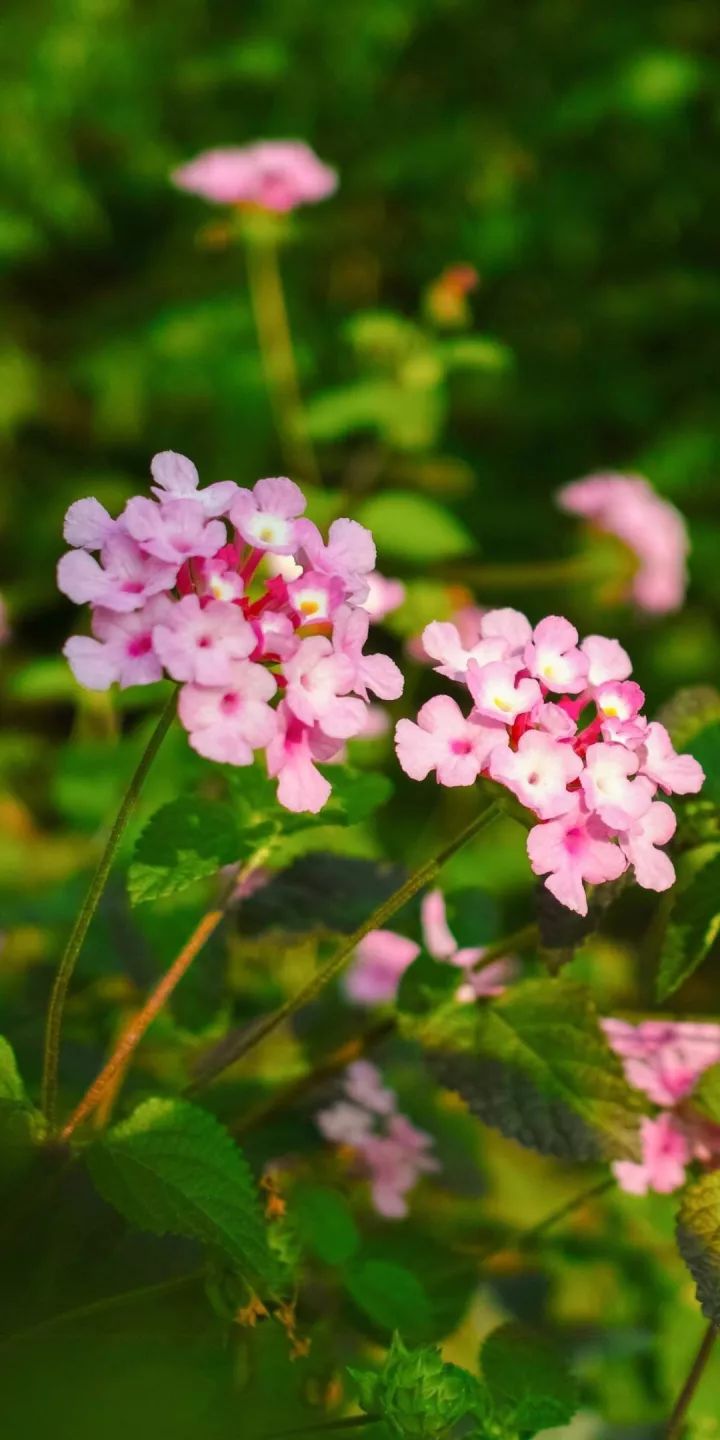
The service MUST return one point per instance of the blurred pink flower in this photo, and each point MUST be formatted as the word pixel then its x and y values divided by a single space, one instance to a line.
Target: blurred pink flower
pixel 627 506
pixel 274 174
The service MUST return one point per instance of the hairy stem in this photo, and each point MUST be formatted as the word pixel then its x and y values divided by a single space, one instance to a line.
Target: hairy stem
pixel 91 902
pixel 278 356
pixel 249 1039
pixel 141 1022
pixel 684 1400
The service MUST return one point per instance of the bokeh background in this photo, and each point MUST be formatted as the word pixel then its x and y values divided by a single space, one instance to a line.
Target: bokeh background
pixel 568 153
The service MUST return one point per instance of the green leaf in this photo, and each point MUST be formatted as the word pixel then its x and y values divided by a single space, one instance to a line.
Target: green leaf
pixel 706 1095
pixel 689 712
pixel 477 352
pixel 21 1126
pixel 536 1066
pixel 692 929
pixel 417 1394
pixel 425 984
pixel 171 1168
pixel 473 916
pixel 184 841
pixel 528 1380
pixel 698 1235
pixel 11 1085
pixel 356 795
pixel 413 527
pixel 391 1296
pixel 705 746
pixel 325 1223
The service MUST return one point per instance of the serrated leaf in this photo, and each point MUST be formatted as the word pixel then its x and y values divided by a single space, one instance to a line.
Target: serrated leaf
pixel 391 1296
pixel 419 1395
pixel 536 1066
pixel 184 841
pixel 414 527
pixel 698 1236
pixel 528 1380
pixel 692 929
pixel 171 1168
pixel 325 1223
pixel 320 891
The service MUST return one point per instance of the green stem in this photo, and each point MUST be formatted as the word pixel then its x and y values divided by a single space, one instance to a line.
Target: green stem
pixel 426 873
pixel 521 939
pixel 684 1400
pixel 100 1307
pixel 527 1238
pixel 91 902
pixel 277 352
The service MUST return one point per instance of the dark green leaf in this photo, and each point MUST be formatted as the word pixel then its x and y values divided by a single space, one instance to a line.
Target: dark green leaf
pixel 425 984
pixel 325 1223
pixel 320 891
pixel 537 1066
pixel 705 746
pixel 414 527
pixel 183 842
pixel 391 1296
pixel 11 1085
pixel 691 930
pixel 698 1233
pixel 527 1379
pixel 172 1168
pixel 473 916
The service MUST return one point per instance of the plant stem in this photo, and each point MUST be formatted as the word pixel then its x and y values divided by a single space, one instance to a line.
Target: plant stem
pixel 100 1307
pixel 684 1400
pixel 276 349
pixel 91 902
pixel 527 1237
pixel 521 939
pixel 249 1039
pixel 141 1022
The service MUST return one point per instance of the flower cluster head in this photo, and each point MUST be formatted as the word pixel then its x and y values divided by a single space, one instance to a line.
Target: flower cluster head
pixel 391 1151
pixel 175 586
pixel 560 725
pixel 272 174
pixel 382 958
pixel 627 506
pixel 665 1060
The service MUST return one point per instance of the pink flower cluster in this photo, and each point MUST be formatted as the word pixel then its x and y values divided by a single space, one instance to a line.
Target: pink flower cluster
pixel 382 958
pixel 273 174
pixel 172 592
pixel 628 507
pixel 392 1152
pixel 559 724
pixel 665 1061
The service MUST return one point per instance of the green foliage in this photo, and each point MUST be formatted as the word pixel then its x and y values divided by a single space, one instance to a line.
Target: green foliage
pixel 417 1394
pixel 529 1383
pixel 536 1065
pixel 20 1125
pixel 705 746
pixel 390 1295
pixel 186 841
pixel 706 1094
pixel 692 928
pixel 172 1169
pixel 325 1223
pixel 698 1235
pixel 425 984
pixel 413 527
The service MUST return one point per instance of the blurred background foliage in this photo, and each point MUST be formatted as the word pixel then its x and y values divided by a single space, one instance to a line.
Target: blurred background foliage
pixel 568 153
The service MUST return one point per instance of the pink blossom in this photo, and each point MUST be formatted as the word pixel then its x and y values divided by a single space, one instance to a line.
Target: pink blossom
pixel 509 625
pixel 554 720
pixel 315 598
pixel 628 507
pixel 175 531
pixel 538 773
pixel 274 174
pixel 227 722
pixel 122 650
pixel 498 693
pixel 609 789
pixel 441 641
pixel 666 1152
pixel 267 515
pixel 278 636
pixel 318 681
pixel 675 774
pixel 444 741
pixel 363 1085
pixel 344 1123
pixel 202 642
pixel 664 1058
pixel 395 1162
pixel 349 555
pixel 291 757
pixel 217 576
pixel 375 673
pixel 553 658
pixel 653 869
pixel 379 962
pixel 88 525
pixel 176 478
pixel 439 939
pixel 383 596
pixel 619 704
pixel 573 849
pixel 606 659
pixel 123 580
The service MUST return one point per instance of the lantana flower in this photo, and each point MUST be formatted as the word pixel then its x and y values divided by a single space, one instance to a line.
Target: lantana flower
pixel 387 1147
pixel 558 722
pixel 665 1060
pixel 651 528
pixel 272 174
pixel 184 586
